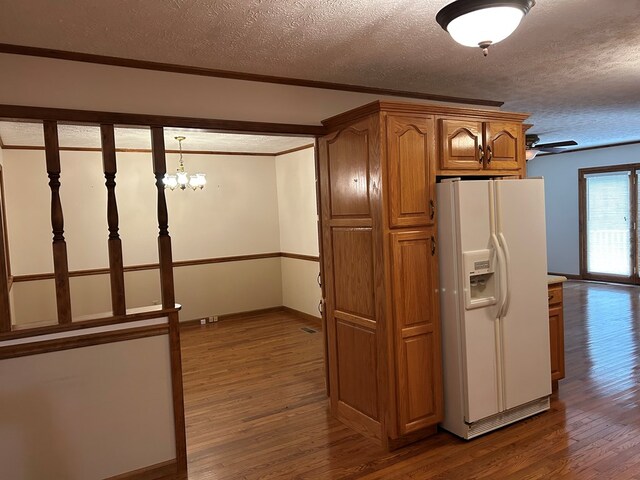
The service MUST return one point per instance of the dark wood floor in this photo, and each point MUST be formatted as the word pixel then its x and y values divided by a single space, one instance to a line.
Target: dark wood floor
pixel 256 409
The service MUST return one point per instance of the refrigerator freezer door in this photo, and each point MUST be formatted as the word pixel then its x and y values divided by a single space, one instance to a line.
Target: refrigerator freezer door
pixel 525 322
pixel 479 348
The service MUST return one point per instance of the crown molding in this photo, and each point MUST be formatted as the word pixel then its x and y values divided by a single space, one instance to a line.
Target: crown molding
pixel 251 77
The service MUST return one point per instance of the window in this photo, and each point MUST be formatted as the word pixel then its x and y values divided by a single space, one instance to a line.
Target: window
pixel 608 220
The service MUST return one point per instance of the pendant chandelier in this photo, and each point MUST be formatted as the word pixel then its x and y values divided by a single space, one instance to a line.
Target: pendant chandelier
pixel 182 179
pixel 482 23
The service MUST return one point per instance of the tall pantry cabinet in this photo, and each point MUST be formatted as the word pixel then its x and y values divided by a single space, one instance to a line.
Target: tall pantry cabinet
pixel 377 170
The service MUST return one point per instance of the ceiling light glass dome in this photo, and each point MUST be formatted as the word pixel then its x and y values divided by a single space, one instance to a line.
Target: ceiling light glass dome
pixel 481 23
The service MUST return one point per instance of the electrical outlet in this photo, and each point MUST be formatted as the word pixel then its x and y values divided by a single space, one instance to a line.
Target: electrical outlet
pixel 210 319
pixel 203 321
pixel 215 318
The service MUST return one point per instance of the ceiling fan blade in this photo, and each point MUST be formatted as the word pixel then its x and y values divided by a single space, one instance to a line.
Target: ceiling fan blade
pixel 551 149
pixel 567 143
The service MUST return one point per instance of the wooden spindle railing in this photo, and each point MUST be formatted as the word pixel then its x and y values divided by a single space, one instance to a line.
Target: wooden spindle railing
pixel 60 262
pixel 168 295
pixel 116 268
pixel 5 306
pixel 164 240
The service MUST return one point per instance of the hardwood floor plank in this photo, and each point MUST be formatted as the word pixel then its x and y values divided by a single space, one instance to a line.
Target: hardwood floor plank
pixel 256 406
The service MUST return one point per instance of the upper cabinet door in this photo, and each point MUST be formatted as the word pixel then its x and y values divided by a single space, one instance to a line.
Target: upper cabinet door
pixel 502 149
pixel 461 145
pixel 348 169
pixel 410 153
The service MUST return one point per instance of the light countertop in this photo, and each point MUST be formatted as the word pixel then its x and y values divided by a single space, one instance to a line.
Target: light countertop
pixel 551 279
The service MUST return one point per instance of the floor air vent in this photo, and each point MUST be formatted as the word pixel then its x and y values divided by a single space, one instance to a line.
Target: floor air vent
pixel 308 330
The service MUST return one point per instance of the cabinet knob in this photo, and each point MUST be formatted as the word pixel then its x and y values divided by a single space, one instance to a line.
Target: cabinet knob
pixel 433 245
pixel 319 279
pixel 480 154
pixel 489 154
pixel 432 209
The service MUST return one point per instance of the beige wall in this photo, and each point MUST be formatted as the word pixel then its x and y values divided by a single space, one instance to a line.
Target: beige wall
pixel 297 213
pixel 90 295
pixel 87 413
pixel 202 290
pixel 236 214
pixel 300 289
pixel 252 204
pixel 228 287
pixel 64 84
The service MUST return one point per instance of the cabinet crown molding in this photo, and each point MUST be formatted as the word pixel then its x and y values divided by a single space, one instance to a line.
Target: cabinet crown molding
pixel 419 109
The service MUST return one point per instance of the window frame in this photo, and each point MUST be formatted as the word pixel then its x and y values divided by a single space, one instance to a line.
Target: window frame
pixel 634 171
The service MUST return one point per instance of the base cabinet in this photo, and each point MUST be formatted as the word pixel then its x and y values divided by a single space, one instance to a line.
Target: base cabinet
pixel 556 332
pixel 417 329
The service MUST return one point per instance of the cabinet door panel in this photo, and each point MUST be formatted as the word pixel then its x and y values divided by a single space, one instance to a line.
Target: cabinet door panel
pixel 349 174
pixel 357 368
pixel 460 144
pixel 502 141
pixel 417 329
pixel 410 149
pixel 556 337
pixel 353 271
pixel 418 404
pixel 348 162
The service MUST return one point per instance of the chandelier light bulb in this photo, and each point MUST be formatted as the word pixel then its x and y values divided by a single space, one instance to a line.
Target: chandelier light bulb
pixel 182 179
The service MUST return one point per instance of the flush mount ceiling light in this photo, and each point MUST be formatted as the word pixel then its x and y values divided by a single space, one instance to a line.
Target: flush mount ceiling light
pixel 482 23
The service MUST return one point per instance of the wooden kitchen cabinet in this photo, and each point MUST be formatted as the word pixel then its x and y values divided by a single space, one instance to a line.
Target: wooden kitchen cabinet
pixel 556 332
pixel 411 172
pixel 377 175
pixel 471 147
pixel 461 145
pixel 502 145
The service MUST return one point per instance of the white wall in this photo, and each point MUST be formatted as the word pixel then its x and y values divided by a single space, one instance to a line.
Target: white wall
pixel 297 213
pixel 560 173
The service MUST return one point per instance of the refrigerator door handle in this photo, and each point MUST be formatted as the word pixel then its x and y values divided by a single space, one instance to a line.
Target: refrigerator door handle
pixel 502 274
pixel 507 267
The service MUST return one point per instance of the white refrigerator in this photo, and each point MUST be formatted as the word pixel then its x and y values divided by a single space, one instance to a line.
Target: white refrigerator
pixel 494 306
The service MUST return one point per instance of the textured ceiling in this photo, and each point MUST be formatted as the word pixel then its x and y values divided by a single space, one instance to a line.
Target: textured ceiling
pixel 31 134
pixel 574 64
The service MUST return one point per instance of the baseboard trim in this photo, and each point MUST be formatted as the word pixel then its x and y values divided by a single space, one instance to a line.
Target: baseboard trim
pixel 570 276
pixel 306 316
pixel 160 471
pixel 256 313
pixel 229 316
